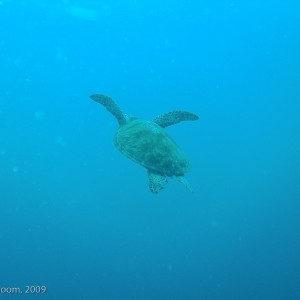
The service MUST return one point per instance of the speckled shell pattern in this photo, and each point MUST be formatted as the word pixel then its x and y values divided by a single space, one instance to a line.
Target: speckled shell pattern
pixel 152 147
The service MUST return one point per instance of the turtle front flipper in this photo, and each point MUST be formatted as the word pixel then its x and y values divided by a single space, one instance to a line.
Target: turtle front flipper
pixel 156 182
pixel 174 117
pixel 111 106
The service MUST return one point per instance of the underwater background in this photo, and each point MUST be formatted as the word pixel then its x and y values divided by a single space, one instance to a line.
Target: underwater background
pixel 77 216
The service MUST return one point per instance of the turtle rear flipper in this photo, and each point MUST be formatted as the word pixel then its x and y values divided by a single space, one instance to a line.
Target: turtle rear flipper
pixel 184 181
pixel 174 117
pixel 156 182
pixel 111 106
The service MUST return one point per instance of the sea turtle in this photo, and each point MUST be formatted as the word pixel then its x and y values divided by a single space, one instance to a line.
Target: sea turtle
pixel 148 144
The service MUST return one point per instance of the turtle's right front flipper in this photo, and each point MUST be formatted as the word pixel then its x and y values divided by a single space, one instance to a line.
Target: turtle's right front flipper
pixel 111 106
pixel 174 117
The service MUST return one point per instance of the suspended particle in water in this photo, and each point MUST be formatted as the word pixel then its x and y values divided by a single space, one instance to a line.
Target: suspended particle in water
pixel 39 115
pixel 15 169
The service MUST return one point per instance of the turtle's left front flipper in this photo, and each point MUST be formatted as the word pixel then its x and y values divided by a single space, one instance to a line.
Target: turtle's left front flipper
pixel 111 106
pixel 174 117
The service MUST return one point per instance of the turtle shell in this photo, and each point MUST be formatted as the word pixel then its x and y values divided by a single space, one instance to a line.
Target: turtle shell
pixel 151 146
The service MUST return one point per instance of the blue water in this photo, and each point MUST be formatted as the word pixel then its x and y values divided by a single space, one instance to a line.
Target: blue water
pixel 77 216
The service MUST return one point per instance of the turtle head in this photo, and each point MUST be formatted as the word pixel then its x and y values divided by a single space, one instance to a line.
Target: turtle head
pixel 129 118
